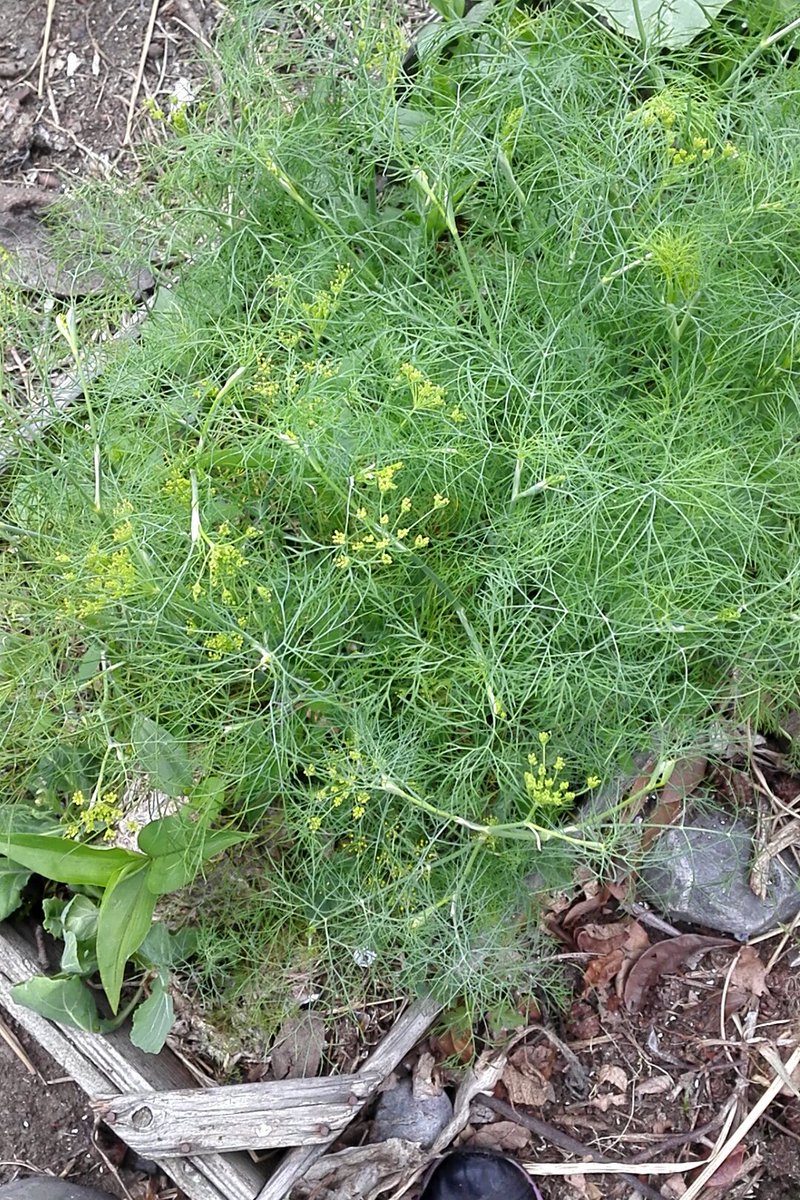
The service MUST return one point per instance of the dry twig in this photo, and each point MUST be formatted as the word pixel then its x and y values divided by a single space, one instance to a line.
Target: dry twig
pixel 137 83
pixel 565 1142
pixel 48 25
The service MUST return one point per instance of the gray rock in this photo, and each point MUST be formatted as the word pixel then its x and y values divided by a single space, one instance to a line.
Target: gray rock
pixel 702 878
pixel 401 1114
pixel 43 1187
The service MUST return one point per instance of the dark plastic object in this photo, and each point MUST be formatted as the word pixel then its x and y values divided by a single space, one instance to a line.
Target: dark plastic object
pixel 478 1175
pixel 44 1187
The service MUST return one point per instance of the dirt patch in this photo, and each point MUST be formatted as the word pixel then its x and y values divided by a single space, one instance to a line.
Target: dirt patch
pixel 46 1126
pixel 76 124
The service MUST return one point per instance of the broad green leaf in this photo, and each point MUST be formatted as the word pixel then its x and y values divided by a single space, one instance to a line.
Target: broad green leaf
pixel 163 757
pixel 66 1000
pixel 209 795
pixel 162 948
pixel 78 958
pixel 448 9
pixel 167 835
pixel 157 949
pixel 665 22
pixel 80 917
pixel 182 832
pixel 126 913
pixel 12 880
pixel 153 1019
pixel 53 921
pixel 66 861
pixel 169 872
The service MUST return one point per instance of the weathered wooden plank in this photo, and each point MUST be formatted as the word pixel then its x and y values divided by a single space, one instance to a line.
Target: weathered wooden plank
pixel 256 1116
pixel 401 1038
pixel 104 1065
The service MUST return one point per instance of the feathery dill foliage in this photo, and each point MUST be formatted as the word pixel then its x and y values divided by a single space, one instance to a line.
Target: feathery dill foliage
pixel 399 477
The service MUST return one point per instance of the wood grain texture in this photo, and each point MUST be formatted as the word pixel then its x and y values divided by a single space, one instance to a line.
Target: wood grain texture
pixel 255 1116
pixel 108 1065
pixel 399 1041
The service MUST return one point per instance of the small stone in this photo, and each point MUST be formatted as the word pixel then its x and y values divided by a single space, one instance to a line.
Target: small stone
pixel 399 1114
pixel 702 877
pixel 45 1187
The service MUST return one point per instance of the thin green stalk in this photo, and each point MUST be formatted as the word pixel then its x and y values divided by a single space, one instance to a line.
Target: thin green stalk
pixel 732 82
pixel 516 831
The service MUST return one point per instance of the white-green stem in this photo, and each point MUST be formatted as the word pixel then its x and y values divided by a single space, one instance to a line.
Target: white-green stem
pixel 736 74
pixel 517 831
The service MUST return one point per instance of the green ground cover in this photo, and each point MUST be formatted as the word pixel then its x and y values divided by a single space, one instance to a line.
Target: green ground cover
pixel 459 465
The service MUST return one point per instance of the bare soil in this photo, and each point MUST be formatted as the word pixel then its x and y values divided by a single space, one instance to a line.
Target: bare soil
pixel 76 126
pixel 46 1126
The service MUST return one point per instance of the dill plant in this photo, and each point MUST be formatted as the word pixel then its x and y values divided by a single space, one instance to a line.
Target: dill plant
pixel 459 465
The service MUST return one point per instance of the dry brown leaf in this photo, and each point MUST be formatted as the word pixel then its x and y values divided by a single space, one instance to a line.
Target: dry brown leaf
pixel 503 1136
pixel 728 1171
pixel 615 1076
pixel 533 1089
pixel 584 908
pixel 661 958
pixel 297 1051
pixel 456 1041
pixel 607 1101
pixel 655 1086
pixel 686 777
pixel 600 971
pixel 582 1023
pixel 600 939
pixel 585 1188
pixel 673 1187
pixel 425 1082
pixel 750 973
pixel 539 1060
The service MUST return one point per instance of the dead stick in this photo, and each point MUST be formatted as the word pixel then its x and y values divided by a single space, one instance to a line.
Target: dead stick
pixel 401 1038
pixel 137 83
pixel 676 1140
pixel 48 25
pixel 564 1142
pixel 761 1105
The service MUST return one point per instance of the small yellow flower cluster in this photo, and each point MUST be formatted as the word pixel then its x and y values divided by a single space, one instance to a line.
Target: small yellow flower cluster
pixel 383 477
pixel 219 644
pixel 542 782
pixel 263 383
pixel 100 812
pixel 321 308
pixel 343 789
pixel 677 255
pixel 697 150
pixel 205 390
pixel 225 560
pixel 687 125
pixel 320 367
pixel 123 529
pixel 110 576
pixel 383 533
pixel 153 110
pixel 178 487
pixel 425 395
pixel 508 130
pixel 383 56
pixel 729 614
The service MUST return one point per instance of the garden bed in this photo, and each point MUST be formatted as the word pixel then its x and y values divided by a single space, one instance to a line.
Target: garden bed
pixel 455 466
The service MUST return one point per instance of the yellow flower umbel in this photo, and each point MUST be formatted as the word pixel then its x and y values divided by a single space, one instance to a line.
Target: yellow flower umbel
pixel 101 812
pixel 545 789
pixel 425 395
